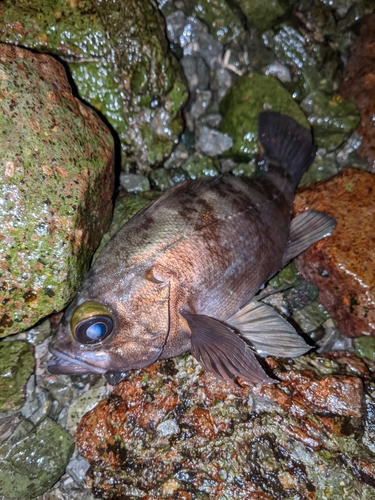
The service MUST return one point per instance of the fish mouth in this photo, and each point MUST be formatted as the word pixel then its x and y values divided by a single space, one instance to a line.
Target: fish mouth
pixel 62 364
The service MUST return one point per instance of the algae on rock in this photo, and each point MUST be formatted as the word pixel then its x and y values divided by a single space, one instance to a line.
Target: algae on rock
pixel 119 60
pixel 56 186
pixel 33 458
pixel 242 104
pixel 16 366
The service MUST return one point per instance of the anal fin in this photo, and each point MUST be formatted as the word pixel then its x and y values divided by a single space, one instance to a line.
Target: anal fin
pixel 222 352
pixel 267 331
pixel 305 229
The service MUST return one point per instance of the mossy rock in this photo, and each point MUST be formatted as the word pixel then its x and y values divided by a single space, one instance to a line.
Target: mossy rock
pixel 241 106
pixel 16 366
pixel 56 187
pixel 120 62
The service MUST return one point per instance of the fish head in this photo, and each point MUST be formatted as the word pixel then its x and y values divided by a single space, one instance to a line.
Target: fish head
pixel 118 327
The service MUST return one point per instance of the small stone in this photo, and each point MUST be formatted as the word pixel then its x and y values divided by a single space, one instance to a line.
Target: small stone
pixel 331 116
pixel 262 14
pixel 310 316
pixel 196 72
pixel 198 166
pixel 280 71
pixel 160 179
pixel 16 366
pixel 167 428
pixel 134 183
pixel 343 264
pixel 201 104
pixel 33 459
pixel 222 21
pixel 323 167
pixel 211 142
pixel 193 37
pixel 365 347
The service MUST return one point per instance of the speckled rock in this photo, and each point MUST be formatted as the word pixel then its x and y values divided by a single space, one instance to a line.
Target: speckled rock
pixel 263 14
pixel 56 184
pixel 223 23
pixel 343 265
pixel 241 106
pixel 331 117
pixel 16 366
pixel 173 431
pixel 120 61
pixel 358 85
pixel 32 458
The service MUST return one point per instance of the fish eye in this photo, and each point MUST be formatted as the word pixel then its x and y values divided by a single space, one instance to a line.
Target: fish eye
pixel 91 323
pixel 93 330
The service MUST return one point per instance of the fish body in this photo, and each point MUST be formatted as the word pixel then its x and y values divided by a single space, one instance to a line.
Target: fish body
pixel 179 275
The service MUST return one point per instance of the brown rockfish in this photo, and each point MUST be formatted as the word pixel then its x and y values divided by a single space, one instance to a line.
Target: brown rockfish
pixel 180 274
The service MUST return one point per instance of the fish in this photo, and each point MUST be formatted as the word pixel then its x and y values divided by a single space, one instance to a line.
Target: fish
pixel 181 274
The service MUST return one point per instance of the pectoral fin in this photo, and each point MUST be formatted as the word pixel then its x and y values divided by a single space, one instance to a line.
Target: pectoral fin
pixel 221 351
pixel 267 331
pixel 306 229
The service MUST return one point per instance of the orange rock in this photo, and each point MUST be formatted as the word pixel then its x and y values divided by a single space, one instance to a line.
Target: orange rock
pixel 358 85
pixel 343 265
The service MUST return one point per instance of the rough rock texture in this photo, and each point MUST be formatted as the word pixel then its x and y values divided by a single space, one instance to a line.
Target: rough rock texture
pixel 56 185
pixel 343 265
pixel 16 366
pixel 358 85
pixel 242 104
pixel 33 458
pixel 120 62
pixel 173 431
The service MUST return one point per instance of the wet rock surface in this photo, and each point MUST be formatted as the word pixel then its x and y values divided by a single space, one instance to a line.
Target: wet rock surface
pixel 172 431
pixel 33 458
pixel 109 48
pixel 312 434
pixel 56 184
pixel 343 265
pixel 358 85
pixel 16 366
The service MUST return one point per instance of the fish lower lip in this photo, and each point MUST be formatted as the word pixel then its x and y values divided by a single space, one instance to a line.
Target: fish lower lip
pixel 63 364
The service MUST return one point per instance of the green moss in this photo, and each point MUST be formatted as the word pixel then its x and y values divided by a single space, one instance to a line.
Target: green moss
pixel 222 22
pixel 365 347
pixel 198 166
pixel 331 116
pixel 242 104
pixel 16 366
pixel 52 147
pixel 119 60
pixel 25 474
pixel 263 14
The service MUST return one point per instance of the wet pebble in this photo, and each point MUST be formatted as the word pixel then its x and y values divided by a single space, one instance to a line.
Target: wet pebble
pixel 134 183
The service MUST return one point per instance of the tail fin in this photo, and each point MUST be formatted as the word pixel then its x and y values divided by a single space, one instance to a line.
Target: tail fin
pixel 286 143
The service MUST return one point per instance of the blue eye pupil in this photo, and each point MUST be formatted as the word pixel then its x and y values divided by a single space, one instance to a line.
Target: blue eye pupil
pixel 93 330
pixel 96 331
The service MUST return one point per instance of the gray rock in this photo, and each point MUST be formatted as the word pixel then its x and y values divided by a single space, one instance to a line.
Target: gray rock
pixel 196 72
pixel 193 38
pixel 201 104
pixel 134 183
pixel 280 71
pixel 211 142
